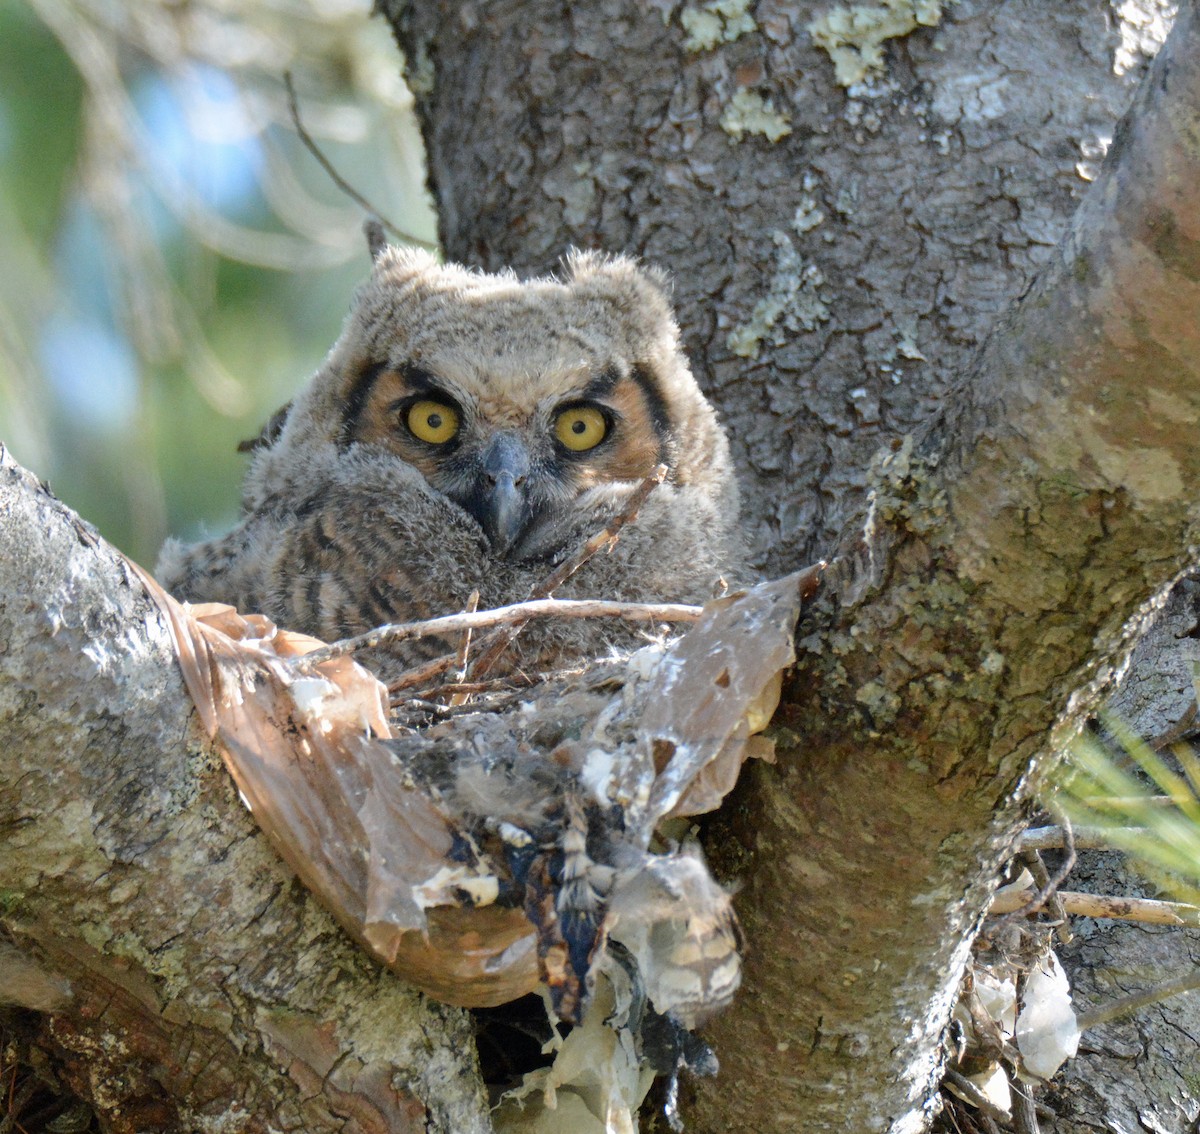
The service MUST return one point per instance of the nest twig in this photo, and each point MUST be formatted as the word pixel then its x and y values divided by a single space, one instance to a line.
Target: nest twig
pixel 497 643
pixel 517 614
pixel 1047 886
pixel 509 621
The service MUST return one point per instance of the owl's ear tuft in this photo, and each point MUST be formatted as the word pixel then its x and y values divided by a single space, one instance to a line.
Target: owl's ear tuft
pixel 636 288
pixel 396 266
pixel 377 240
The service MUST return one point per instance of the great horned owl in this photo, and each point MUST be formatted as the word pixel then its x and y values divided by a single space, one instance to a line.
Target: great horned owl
pixel 466 432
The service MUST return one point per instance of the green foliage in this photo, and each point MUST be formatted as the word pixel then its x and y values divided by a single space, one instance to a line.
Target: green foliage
pixel 175 263
pixel 1144 806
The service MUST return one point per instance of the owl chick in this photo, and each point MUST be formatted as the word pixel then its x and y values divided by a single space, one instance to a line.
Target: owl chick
pixel 467 431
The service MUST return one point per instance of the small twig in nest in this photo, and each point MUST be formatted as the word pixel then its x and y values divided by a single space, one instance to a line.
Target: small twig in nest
pixel 494 644
pixel 505 684
pixel 519 612
pixel 1041 877
pixel 970 1093
pixel 494 702
pixel 601 540
pixel 328 166
pixel 414 678
pixel 420 705
pixel 1147 910
pixel 1024 1110
pixel 1047 889
pixel 604 539
pixel 464 648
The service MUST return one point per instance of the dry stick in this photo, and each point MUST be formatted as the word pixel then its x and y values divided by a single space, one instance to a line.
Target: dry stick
pixel 1024 1111
pixel 431 670
pixel 423 674
pixel 1127 1004
pixel 518 612
pixel 497 702
pixel 1085 838
pixel 421 705
pixel 464 649
pixel 970 1093
pixel 508 683
pixel 1046 889
pixel 603 539
pixel 1147 910
pixel 316 151
pixel 1041 877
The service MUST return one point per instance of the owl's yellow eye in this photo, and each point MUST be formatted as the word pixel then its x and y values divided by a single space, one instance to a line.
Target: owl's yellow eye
pixel 434 422
pixel 580 428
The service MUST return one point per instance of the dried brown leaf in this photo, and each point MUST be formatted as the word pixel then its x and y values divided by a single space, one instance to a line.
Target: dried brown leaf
pixel 307 754
pixel 717 686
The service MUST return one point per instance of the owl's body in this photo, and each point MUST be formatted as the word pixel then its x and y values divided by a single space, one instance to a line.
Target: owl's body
pixel 467 432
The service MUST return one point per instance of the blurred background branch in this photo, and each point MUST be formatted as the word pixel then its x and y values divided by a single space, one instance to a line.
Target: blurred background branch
pixel 170 247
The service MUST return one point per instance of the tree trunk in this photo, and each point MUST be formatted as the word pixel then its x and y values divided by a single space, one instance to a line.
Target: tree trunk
pixel 834 282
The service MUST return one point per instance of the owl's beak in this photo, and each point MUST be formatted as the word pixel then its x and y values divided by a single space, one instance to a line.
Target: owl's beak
pixel 501 499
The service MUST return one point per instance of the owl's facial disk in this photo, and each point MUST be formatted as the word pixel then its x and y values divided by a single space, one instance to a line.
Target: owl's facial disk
pixel 516 470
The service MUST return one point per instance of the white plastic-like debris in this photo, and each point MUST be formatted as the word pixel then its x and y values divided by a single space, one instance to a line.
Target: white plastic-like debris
pixel 1047 1031
pixel 481 889
pixel 993 1085
pixel 595 1085
pixel 998 999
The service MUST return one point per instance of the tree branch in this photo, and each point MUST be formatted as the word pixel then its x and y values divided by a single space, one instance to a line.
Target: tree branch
pixel 1012 551
pixel 199 975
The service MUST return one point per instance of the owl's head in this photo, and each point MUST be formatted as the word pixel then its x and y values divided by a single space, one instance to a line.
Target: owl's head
pixel 513 398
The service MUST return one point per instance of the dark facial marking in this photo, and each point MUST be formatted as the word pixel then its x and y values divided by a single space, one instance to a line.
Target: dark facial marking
pixel 603 383
pixel 419 383
pixel 357 399
pixel 659 417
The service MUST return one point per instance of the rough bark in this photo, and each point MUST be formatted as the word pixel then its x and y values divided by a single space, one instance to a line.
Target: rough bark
pixel 1016 545
pixel 923 202
pixel 1138 1072
pixel 200 987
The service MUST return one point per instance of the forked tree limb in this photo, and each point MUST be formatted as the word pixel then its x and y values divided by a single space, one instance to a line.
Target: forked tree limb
pixel 1013 551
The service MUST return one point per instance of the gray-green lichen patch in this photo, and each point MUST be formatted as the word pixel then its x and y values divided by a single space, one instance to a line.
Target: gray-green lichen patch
pixel 792 303
pixel 854 34
pixel 749 113
pixel 882 703
pixel 715 22
pixel 808 213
